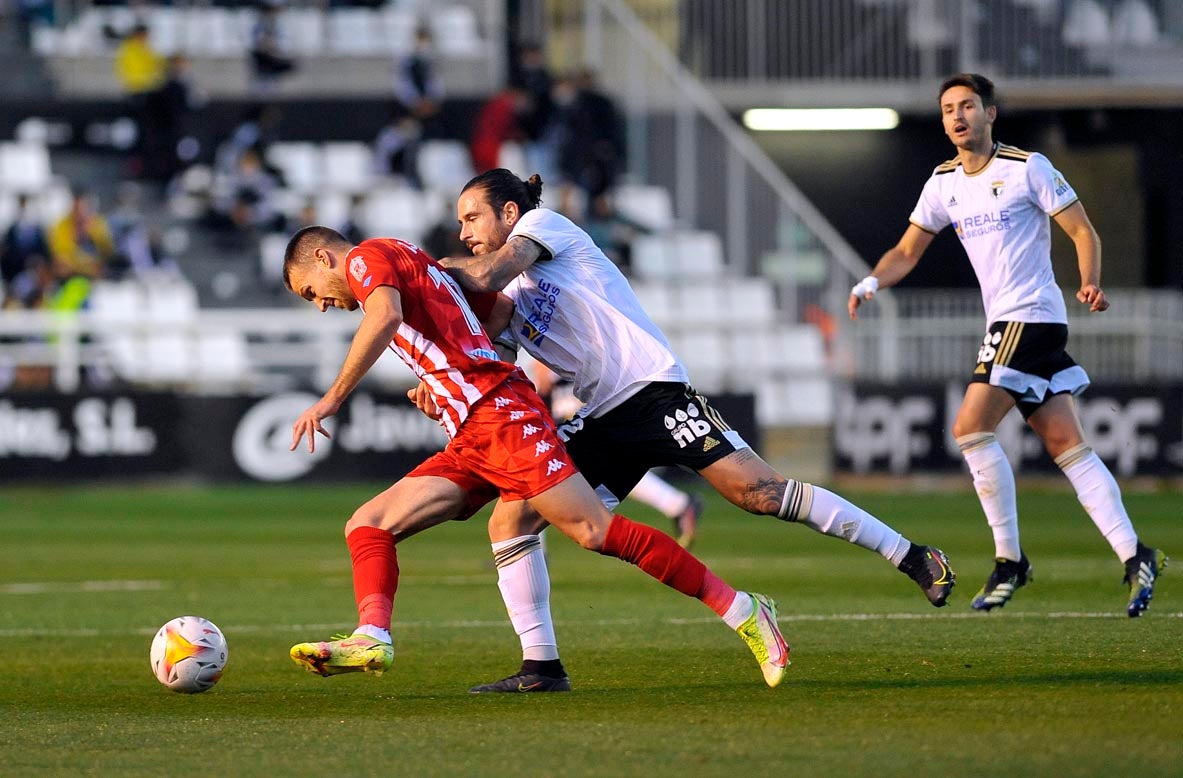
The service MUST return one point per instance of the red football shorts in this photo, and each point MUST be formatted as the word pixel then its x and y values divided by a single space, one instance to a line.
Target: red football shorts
pixel 508 447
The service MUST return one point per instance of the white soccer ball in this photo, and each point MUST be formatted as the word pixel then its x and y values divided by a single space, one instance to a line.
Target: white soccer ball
pixel 189 654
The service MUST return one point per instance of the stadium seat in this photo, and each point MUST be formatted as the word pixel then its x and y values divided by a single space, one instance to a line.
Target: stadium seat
pixel 512 157
pixel 658 302
pixel 682 255
pixel 445 165
pixel 396 212
pixel 170 302
pixel 750 302
pixel 455 31
pixel 701 304
pixel 1135 24
pixel 347 166
pixel 648 206
pixel 300 162
pixel 1086 24
pixel 653 257
pixel 166 29
pixel 24 167
pixel 221 357
pixel 332 209
pixel 799 349
pixel 212 32
pixel 354 31
pixel 301 30
pixel 398 27
pixel 272 247
pixel 704 352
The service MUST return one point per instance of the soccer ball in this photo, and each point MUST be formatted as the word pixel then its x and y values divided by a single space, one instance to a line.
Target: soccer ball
pixel 189 654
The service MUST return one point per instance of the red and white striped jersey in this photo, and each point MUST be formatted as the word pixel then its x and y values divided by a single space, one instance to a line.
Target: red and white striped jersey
pixel 440 338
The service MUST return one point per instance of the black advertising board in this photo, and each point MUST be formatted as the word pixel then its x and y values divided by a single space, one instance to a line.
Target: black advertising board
pixel 376 437
pixel 905 428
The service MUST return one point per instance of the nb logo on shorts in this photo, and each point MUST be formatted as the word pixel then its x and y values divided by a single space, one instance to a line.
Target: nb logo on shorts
pixel 989 347
pixel 685 426
pixel 554 466
pixel 541 447
pixel 501 402
pixel 529 430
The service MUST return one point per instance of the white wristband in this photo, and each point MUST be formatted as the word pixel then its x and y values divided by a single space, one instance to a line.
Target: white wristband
pixel 868 286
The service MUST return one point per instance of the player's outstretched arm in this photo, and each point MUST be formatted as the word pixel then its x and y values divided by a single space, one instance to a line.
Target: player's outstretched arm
pixel 891 268
pixel 492 272
pixel 1075 222
pixel 383 315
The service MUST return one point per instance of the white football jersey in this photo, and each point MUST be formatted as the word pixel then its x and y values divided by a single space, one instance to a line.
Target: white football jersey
pixel 1001 214
pixel 576 313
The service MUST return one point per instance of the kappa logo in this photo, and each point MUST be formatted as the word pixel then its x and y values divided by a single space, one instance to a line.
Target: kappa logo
pixel 357 268
pixel 554 466
pixel 529 430
pixel 541 447
pixel 515 415
pixel 685 427
pixel 501 402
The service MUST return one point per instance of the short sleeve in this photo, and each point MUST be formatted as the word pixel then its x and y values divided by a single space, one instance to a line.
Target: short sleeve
pixel 930 213
pixel 1048 188
pixel 538 225
pixel 368 268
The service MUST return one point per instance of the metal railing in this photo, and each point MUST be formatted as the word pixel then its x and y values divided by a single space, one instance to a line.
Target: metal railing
pixel 1138 340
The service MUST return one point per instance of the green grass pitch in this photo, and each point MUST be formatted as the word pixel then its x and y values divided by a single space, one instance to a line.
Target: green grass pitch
pixel 1057 683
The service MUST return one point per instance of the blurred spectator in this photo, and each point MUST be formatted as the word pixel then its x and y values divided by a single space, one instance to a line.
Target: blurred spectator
pixel 80 243
pixel 247 202
pixel 538 122
pixel 137 241
pixel 258 129
pixel 443 240
pixel 305 217
pixel 498 121
pixel 416 85
pixel 165 112
pixel 268 61
pixel 612 231
pixel 397 146
pixel 591 153
pixel 23 248
pixel 141 71
pixel 31 14
pixel 352 228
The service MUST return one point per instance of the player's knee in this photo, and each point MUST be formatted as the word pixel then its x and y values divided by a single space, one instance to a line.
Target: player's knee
pixel 588 534
pixel 365 516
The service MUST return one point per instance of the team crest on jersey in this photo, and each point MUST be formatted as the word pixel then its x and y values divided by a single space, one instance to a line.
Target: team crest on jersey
pixel 996 188
pixel 531 333
pixel 357 268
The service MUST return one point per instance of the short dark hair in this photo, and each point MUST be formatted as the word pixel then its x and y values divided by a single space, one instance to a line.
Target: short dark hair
pixel 975 82
pixel 303 243
pixel 501 187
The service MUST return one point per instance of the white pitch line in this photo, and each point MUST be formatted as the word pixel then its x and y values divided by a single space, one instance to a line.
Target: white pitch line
pixel 67 587
pixel 30 632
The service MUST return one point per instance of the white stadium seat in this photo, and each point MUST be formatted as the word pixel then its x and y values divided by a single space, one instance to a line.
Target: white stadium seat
pixel 24 167
pixel 354 31
pixel 648 206
pixel 444 165
pixel 300 162
pixel 396 212
pixel 398 27
pixel 455 32
pixel 347 166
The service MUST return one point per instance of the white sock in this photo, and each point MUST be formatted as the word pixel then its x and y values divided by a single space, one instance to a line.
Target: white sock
pixel 832 515
pixel 377 633
pixel 658 493
pixel 525 588
pixel 1101 498
pixel 741 609
pixel 994 481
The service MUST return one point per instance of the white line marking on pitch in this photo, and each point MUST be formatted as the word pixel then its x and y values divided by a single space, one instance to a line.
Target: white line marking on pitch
pixel 28 632
pixel 66 587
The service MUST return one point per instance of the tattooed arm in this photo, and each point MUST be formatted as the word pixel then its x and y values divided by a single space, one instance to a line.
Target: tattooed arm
pixel 492 272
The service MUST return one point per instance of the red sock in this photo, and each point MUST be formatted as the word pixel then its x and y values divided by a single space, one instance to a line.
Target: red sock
pixel 375 574
pixel 660 556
